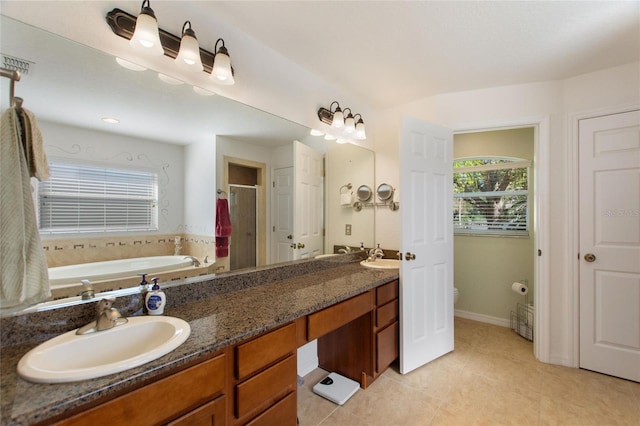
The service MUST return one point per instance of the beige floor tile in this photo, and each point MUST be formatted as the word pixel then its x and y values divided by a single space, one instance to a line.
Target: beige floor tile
pixel 387 403
pixel 491 378
pixel 312 408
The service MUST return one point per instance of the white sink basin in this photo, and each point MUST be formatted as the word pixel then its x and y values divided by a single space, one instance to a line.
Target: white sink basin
pixel 382 264
pixel 70 357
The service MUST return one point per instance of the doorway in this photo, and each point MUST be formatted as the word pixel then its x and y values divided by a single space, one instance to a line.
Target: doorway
pixel 243 210
pixel 247 178
pixel 494 241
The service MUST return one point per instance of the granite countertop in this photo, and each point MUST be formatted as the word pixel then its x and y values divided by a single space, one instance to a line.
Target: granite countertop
pixel 216 322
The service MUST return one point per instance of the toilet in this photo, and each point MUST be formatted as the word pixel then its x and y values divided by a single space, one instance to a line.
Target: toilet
pixel 456 295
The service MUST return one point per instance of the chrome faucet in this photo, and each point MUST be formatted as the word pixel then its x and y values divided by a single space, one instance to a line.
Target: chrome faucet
pixel 195 261
pixel 106 318
pixel 374 254
pixel 345 250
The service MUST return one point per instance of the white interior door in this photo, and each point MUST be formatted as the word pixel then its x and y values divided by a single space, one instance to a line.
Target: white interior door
pixel 426 282
pixel 609 149
pixel 283 214
pixel 308 237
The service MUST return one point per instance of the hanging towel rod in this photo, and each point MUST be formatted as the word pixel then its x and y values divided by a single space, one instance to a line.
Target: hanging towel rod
pixel 14 76
pixel 220 192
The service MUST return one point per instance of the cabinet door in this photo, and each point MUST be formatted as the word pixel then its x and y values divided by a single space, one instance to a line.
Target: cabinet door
pixel 283 413
pixel 210 414
pixel 387 346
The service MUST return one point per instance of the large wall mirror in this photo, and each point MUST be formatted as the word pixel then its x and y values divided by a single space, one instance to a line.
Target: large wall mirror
pixel 187 136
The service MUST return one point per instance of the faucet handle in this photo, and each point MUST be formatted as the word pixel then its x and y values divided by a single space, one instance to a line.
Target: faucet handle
pixel 104 304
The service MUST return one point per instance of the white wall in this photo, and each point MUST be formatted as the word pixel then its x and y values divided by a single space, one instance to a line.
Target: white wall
pixel 553 103
pixel 110 149
pixel 200 188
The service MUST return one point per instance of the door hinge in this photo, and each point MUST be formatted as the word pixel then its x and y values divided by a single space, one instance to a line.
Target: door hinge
pixel 273 183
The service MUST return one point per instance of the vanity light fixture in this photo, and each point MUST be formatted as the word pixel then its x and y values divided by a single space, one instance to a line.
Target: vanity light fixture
pixel 360 133
pixel 349 122
pixel 350 127
pixel 222 72
pixel 189 54
pixel 125 25
pixel 146 36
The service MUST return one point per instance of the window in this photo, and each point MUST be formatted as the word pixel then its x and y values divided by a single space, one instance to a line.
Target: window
pixel 80 198
pixel 491 196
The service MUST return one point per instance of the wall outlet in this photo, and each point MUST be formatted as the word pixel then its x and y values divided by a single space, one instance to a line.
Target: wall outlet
pixel 347 229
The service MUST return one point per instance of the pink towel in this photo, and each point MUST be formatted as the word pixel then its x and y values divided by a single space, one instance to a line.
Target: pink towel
pixel 223 227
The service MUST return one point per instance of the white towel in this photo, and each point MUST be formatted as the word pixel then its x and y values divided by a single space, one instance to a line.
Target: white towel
pixel 24 278
pixel 345 198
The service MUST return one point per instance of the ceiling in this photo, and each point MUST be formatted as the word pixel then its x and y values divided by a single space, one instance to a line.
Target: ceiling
pixel 389 53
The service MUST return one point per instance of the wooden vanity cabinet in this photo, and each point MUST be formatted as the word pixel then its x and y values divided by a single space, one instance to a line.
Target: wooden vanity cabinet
pixel 366 346
pixel 265 379
pixel 194 396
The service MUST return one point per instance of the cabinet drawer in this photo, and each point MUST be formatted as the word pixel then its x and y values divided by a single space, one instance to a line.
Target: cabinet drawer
pixel 162 400
pixel 336 316
pixel 265 350
pixel 284 413
pixel 387 346
pixel 386 292
pixel 210 414
pixel 267 386
pixel 386 314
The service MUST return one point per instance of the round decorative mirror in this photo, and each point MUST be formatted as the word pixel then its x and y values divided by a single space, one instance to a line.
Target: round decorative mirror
pixel 364 193
pixel 385 192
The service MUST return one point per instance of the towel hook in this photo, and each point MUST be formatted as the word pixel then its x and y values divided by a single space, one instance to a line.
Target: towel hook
pixel 221 193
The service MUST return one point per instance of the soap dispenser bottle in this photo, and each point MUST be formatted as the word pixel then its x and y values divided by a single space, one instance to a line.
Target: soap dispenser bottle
pixel 156 299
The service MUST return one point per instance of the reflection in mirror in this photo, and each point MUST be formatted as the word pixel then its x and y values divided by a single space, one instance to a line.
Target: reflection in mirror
pixel 364 193
pixel 384 192
pixel 165 129
pixel 346 224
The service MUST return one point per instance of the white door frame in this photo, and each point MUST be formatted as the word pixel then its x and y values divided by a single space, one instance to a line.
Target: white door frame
pixel 573 221
pixel 542 279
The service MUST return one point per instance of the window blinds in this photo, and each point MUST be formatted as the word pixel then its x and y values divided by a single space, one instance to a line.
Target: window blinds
pixel 81 198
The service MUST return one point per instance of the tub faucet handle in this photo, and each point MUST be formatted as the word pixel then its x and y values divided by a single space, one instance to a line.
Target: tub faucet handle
pixel 87 290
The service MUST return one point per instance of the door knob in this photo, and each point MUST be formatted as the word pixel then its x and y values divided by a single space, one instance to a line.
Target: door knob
pixel 590 257
pixel 409 256
pixel 289 237
pixel 300 245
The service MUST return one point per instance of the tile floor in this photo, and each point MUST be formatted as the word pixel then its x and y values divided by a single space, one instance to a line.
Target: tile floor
pixel 491 378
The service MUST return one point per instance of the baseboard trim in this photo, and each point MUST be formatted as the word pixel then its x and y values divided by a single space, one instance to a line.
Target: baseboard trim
pixel 502 322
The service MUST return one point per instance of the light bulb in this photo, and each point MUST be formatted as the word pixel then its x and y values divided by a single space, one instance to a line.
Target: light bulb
pixel 189 54
pixel 338 118
pixel 146 36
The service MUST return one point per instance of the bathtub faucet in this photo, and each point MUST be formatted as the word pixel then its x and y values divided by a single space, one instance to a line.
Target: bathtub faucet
pixel 106 318
pixel 195 261
pixel 87 290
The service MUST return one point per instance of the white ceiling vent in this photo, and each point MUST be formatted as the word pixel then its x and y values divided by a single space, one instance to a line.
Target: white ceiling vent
pixel 17 64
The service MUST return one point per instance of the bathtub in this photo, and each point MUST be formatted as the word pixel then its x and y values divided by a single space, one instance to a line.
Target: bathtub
pixel 65 276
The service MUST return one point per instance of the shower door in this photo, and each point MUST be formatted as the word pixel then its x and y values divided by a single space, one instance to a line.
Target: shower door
pixel 243 246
